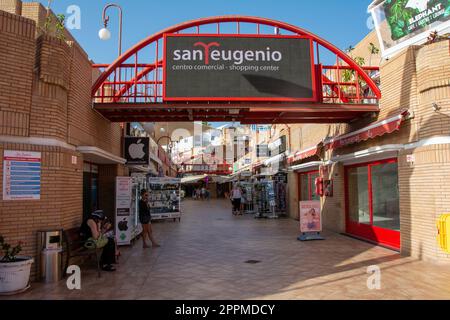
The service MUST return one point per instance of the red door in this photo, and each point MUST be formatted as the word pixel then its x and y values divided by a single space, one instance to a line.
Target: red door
pixel 372 202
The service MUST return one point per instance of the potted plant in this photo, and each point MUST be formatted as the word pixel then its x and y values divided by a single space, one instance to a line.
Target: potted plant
pixel 14 270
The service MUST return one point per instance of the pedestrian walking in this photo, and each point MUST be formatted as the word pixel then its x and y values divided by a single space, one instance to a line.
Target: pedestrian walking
pixel 236 198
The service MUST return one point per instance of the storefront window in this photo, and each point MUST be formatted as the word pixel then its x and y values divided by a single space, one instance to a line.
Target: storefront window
pixel 308 186
pixel 359 195
pixel 313 177
pixel 304 187
pixel 386 210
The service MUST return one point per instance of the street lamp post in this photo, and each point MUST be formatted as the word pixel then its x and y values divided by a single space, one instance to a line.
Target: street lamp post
pixel 104 33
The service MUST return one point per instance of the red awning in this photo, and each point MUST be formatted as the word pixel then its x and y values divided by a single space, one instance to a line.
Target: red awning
pixel 300 155
pixel 374 130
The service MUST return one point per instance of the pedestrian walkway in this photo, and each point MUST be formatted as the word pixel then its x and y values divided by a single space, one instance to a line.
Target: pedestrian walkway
pixel 204 257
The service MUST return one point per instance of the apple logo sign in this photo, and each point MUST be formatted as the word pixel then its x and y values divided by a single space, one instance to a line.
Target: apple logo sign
pixel 136 150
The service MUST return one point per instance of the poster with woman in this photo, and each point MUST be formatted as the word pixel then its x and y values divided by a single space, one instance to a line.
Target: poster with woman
pixel 310 216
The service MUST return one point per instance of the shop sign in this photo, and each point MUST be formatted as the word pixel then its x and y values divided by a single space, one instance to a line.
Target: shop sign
pixel 401 23
pixel 21 175
pixel 262 151
pixel 123 210
pixel 238 67
pixel 246 174
pixel 260 128
pixel 408 16
pixel 137 150
pixel 410 158
pixel 278 146
pixel 310 216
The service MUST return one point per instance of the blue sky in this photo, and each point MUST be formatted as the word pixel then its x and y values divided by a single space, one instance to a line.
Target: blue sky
pixel 343 23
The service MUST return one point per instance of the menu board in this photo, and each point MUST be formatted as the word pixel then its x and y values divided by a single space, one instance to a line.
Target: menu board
pixel 21 175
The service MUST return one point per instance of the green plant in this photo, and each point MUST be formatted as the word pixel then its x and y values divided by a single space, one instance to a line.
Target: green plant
pixel 372 50
pixel 60 21
pixel 348 75
pixel 9 252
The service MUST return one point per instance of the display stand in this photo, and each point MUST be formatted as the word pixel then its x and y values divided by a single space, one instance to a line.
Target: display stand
pixel 248 197
pixel 310 221
pixel 139 182
pixel 265 199
pixel 280 187
pixel 164 198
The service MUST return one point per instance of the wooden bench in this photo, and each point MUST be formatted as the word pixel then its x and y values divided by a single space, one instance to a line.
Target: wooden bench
pixel 75 247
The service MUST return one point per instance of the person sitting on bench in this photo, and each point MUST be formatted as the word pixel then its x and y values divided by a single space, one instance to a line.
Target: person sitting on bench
pixel 93 232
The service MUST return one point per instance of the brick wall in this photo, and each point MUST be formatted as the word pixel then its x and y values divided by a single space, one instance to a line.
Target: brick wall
pixel 60 203
pixel 414 79
pixel 11 6
pixel 46 85
pixel 424 196
pixel 16 73
pixel 94 129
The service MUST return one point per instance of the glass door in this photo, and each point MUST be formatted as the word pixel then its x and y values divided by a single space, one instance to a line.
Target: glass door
pixel 307 186
pixel 372 202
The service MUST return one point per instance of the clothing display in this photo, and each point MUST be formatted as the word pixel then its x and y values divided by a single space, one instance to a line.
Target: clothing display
pixel 248 197
pixel 280 181
pixel 265 199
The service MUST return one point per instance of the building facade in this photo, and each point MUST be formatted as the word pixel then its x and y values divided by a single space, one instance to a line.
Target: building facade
pixel 46 115
pixel 386 175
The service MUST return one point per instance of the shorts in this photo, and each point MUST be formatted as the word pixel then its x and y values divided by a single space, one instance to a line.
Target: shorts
pixel 145 220
pixel 236 204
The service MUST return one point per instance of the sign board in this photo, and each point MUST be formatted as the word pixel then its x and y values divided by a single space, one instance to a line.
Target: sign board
pixel 246 174
pixel 123 210
pixel 278 146
pixel 21 175
pixel 401 23
pixel 260 127
pixel 262 151
pixel 137 150
pixel 238 67
pixel 310 216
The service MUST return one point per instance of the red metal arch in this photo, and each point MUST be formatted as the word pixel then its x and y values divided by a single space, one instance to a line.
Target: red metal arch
pixel 118 95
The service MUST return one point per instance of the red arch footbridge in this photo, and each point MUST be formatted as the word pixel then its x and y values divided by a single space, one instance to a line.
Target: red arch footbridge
pixel 235 68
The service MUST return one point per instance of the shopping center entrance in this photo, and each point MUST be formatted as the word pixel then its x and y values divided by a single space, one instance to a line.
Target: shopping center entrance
pixel 253 71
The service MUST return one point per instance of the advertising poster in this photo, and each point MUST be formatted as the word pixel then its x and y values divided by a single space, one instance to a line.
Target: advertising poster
pixel 406 17
pixel 310 216
pixel 123 210
pixel 200 67
pixel 21 175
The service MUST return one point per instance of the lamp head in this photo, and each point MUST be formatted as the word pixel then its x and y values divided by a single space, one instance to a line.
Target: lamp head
pixel 104 34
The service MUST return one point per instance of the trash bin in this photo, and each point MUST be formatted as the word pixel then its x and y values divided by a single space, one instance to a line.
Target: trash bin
pixel 49 255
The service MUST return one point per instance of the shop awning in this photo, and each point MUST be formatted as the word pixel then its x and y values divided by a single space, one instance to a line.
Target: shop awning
pixel 151 168
pixel 221 179
pixel 99 156
pixel 306 166
pixel 275 159
pixel 193 179
pixel 374 130
pixel 300 155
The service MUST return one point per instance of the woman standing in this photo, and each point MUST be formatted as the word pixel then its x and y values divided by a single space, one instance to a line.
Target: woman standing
pixel 236 196
pixel 145 219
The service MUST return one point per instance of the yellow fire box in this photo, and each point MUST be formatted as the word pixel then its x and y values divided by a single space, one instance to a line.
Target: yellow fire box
pixel 444 232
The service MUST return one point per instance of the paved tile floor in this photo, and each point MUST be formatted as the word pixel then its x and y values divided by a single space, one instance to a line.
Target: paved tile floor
pixel 204 256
